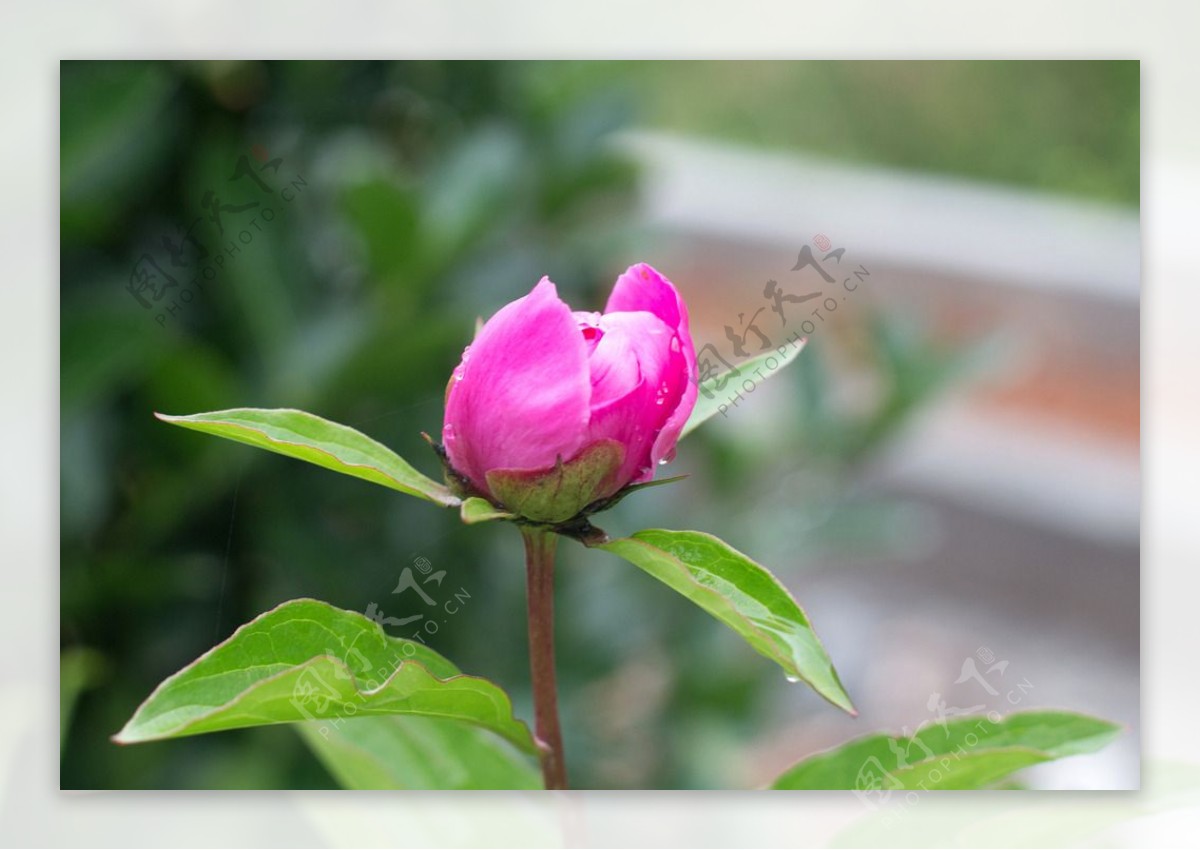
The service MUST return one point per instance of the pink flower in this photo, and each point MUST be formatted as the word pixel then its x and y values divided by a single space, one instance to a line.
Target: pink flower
pixel 551 410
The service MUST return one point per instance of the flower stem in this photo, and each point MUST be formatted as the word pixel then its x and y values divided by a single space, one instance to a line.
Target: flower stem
pixel 539 572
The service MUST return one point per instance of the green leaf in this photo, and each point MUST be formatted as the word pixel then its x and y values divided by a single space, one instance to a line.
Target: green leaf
pixel 716 391
pixel 301 435
pixel 474 509
pixel 420 753
pixel 741 594
pixel 307 660
pixel 965 752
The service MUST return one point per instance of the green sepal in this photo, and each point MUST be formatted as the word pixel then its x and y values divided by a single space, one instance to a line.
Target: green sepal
pixel 558 494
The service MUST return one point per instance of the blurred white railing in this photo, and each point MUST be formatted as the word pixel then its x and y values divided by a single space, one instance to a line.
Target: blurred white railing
pixel 929 222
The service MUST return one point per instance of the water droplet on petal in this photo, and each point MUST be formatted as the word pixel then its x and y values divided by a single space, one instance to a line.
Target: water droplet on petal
pixel 675 346
pixel 792 679
pixel 667 458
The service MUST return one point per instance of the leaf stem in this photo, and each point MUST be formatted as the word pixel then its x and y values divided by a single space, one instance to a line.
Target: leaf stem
pixel 539 573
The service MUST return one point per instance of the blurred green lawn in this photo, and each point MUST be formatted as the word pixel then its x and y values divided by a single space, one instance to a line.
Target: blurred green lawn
pixel 1070 127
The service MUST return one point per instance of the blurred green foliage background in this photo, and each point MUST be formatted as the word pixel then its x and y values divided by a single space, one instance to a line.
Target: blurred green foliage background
pixel 422 195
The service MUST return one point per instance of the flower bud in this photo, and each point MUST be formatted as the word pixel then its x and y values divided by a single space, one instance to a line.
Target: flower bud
pixel 550 410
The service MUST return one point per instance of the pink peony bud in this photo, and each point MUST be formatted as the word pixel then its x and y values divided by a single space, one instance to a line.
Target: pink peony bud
pixel 551 410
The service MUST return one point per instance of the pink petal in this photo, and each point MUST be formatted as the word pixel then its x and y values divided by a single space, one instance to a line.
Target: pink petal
pixel 520 397
pixel 632 368
pixel 641 287
pixel 628 347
